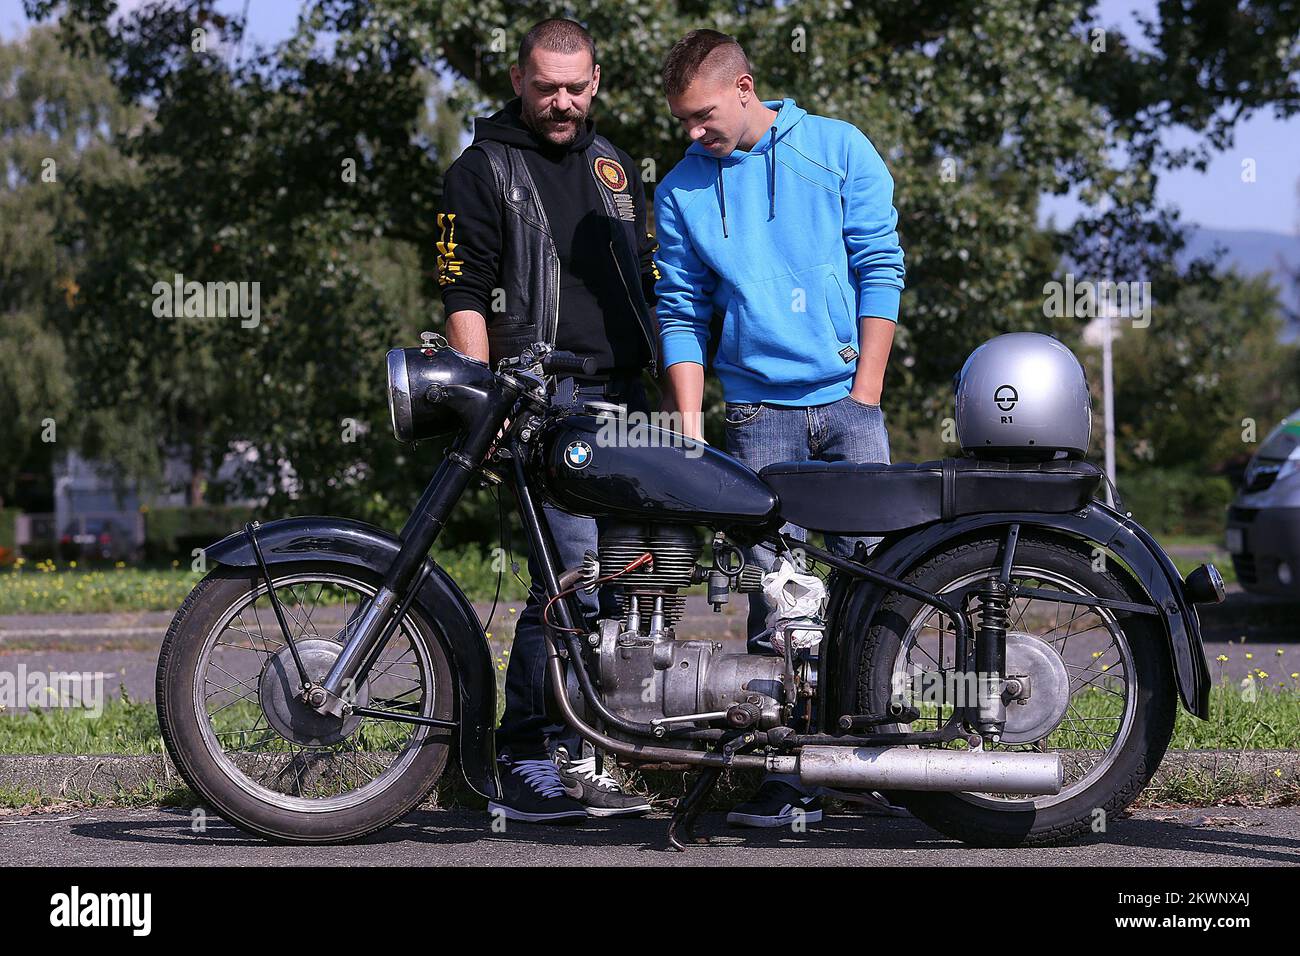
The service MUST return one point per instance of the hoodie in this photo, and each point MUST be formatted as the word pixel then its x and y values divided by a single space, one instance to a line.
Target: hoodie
pixel 790 242
pixel 595 318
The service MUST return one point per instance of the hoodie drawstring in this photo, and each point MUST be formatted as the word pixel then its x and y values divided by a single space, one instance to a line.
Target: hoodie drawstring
pixel 771 202
pixel 771 206
pixel 722 200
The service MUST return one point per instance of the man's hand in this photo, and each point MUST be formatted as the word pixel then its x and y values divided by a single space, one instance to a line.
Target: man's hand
pixel 684 397
pixel 876 339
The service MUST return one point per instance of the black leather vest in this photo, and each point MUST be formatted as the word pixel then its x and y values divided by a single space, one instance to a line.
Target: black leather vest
pixel 529 266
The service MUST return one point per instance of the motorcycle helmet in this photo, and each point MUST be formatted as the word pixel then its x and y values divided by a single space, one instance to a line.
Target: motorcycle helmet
pixel 1023 397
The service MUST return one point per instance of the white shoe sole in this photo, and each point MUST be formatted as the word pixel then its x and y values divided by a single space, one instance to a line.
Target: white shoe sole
pixel 522 816
pixel 753 820
pixel 619 812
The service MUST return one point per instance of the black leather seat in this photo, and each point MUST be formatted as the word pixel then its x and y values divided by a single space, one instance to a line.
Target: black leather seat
pixel 851 498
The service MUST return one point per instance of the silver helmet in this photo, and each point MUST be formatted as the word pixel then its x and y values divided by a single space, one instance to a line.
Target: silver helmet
pixel 1023 396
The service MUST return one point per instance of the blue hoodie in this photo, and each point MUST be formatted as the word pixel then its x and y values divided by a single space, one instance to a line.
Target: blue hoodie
pixel 791 242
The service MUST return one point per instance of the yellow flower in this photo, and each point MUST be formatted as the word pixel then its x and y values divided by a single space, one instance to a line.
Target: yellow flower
pixel 1263 674
pixel 1096 654
pixel 1222 658
pixel 1250 657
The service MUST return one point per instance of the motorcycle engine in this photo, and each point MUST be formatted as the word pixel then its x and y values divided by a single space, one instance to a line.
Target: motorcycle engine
pixel 644 672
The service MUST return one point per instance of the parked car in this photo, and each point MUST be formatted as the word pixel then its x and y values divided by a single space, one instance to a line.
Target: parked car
pixel 94 539
pixel 1263 533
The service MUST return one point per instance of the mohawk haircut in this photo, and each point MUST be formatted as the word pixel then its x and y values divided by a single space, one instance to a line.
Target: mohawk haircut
pixel 709 53
pixel 557 35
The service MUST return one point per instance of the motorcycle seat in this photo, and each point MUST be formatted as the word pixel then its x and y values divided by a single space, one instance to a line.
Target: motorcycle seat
pixel 869 498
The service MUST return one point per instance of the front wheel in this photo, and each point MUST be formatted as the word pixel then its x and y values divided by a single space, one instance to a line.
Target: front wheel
pixel 1106 684
pixel 262 759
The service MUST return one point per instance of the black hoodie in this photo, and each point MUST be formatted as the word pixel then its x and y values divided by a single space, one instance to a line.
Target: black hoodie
pixel 595 317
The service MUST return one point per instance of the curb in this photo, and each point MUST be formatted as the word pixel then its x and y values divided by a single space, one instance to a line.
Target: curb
pixel 86 777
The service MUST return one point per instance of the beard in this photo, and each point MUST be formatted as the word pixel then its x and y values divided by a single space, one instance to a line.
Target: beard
pixel 549 125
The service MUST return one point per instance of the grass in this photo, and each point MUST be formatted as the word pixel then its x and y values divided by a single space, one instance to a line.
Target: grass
pixel 1269 722
pixel 46 587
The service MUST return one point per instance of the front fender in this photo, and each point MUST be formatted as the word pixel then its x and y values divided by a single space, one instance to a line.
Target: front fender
pixel 1095 522
pixel 365 546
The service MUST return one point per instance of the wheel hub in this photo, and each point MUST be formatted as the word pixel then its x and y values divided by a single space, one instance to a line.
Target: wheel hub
pixel 279 689
pixel 1049 689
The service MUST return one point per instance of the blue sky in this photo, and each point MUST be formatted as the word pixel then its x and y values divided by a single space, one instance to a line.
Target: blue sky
pixel 1216 198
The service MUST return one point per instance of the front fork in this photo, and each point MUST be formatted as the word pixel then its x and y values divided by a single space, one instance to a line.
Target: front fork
pixel 381 617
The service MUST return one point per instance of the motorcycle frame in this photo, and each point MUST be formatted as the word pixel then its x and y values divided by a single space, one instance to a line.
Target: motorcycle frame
pixel 409 576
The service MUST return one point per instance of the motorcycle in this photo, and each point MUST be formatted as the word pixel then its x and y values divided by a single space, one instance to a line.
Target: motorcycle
pixel 1006 663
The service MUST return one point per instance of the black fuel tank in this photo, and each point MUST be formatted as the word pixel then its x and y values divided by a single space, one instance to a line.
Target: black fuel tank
pixel 602 466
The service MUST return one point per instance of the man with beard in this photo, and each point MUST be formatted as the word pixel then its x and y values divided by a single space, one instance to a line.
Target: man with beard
pixel 541 222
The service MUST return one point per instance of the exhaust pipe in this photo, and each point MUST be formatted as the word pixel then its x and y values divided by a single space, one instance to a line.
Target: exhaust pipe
pixel 922 768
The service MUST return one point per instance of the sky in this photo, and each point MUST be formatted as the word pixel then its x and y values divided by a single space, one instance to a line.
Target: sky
pixel 1217 198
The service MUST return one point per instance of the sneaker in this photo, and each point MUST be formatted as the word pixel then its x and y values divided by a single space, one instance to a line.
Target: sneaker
pixel 531 792
pixel 598 792
pixel 777 804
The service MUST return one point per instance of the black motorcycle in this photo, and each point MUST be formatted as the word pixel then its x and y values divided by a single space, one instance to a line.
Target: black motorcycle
pixel 1005 664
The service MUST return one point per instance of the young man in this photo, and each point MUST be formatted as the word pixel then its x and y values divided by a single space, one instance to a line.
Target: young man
pixel 782 223
pixel 541 218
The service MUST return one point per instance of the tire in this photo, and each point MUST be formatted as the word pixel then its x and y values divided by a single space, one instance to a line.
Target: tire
pixel 215 775
pixel 1149 706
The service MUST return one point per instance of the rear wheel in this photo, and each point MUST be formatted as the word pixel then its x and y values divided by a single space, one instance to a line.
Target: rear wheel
pixel 1103 679
pixel 241 739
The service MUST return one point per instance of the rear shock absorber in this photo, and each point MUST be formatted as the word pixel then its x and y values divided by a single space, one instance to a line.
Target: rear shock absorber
pixel 991 659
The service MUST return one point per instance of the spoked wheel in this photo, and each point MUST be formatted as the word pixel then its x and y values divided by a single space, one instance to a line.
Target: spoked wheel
pixel 1102 690
pixel 240 737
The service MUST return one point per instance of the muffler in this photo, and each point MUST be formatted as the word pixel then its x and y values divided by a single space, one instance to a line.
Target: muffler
pixel 924 768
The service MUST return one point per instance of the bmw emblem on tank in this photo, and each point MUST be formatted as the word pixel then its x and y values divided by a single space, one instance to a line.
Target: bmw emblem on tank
pixel 578 455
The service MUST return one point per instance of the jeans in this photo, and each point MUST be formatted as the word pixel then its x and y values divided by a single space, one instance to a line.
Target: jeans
pixel 761 435
pixel 529 728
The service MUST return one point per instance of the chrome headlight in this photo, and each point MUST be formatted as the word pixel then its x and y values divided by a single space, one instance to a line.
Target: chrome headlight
pixel 399 396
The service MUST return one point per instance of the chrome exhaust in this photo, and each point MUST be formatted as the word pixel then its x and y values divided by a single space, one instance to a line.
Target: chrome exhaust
pixel 923 768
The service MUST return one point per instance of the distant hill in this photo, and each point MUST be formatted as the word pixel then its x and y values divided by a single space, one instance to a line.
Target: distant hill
pixel 1252 252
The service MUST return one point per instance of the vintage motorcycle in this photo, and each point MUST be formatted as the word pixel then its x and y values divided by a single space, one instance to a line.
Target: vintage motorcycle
pixel 1005 664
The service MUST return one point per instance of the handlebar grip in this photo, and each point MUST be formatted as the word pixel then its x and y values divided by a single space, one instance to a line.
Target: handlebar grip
pixel 560 362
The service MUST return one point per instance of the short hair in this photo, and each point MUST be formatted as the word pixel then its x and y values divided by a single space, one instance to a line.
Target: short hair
pixel 717 55
pixel 557 35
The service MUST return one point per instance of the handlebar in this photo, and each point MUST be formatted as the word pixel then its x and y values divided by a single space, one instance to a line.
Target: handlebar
pixel 559 363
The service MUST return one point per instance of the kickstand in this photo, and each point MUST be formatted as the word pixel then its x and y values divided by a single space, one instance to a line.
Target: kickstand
pixel 688 809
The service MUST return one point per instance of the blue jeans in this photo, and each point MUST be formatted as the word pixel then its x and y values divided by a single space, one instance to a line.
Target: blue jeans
pixel 529 728
pixel 761 435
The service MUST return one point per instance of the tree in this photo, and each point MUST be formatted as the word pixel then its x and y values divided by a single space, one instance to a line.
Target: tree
pixel 57 122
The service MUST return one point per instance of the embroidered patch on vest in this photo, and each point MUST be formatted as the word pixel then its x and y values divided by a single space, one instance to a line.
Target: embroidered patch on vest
pixel 848 353
pixel 611 174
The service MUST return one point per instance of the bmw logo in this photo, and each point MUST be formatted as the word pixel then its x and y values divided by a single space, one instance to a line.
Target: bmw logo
pixel 578 455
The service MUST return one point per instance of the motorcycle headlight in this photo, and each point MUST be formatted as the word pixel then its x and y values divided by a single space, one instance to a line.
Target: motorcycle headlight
pixel 399 396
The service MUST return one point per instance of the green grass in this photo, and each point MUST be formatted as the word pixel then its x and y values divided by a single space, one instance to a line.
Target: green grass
pixel 47 587
pixel 1270 722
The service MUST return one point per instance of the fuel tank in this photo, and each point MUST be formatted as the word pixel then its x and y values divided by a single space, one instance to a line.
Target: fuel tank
pixel 598 466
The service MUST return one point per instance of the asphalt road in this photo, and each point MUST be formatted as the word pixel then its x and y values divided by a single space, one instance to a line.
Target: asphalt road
pixel 153 837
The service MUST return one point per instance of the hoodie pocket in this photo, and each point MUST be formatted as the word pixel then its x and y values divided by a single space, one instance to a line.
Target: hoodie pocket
pixel 791 329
